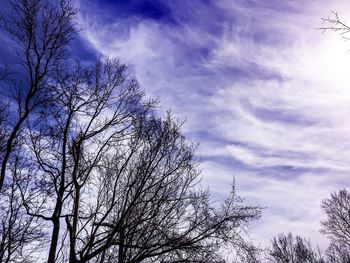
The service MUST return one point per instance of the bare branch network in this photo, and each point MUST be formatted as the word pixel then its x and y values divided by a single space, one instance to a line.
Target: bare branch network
pixel 89 172
pixel 335 24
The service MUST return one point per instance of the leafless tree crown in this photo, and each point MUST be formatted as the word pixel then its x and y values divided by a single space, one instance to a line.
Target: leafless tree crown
pixel 89 173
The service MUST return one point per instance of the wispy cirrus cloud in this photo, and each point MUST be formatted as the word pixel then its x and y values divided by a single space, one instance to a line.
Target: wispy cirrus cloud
pixel 265 94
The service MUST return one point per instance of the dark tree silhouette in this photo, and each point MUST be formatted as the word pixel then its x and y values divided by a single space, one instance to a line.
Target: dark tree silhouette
pixel 336 253
pixel 40 29
pixel 20 235
pixel 289 249
pixel 123 179
pixel 337 208
pixel 337 225
pixel 89 173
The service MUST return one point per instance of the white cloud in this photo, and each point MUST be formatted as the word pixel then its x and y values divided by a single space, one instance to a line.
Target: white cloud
pixel 284 98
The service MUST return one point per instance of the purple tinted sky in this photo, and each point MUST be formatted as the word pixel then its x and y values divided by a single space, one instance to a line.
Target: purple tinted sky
pixel 264 93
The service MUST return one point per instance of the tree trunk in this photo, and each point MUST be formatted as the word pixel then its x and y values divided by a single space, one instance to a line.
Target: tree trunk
pixel 54 240
pixel 121 248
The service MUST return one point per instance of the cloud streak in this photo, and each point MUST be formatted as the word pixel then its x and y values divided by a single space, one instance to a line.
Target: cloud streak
pixel 265 94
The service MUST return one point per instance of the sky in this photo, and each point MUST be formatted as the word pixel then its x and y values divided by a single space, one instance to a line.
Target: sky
pixel 264 92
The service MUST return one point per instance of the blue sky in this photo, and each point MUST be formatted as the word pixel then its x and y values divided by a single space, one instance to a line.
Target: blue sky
pixel 265 93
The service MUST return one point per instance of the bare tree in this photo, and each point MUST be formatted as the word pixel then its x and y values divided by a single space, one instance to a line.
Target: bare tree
pixel 334 23
pixel 289 249
pixel 337 225
pixel 337 208
pixel 89 173
pixel 20 235
pixel 123 180
pixel 336 253
pixel 41 29
pixel 92 109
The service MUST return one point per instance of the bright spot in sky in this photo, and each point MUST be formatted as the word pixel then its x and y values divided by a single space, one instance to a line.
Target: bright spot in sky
pixel 265 93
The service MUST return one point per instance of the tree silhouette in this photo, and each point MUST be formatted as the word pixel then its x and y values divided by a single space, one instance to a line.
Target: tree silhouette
pixel 89 172
pixel 41 30
pixel 289 249
pixel 337 226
